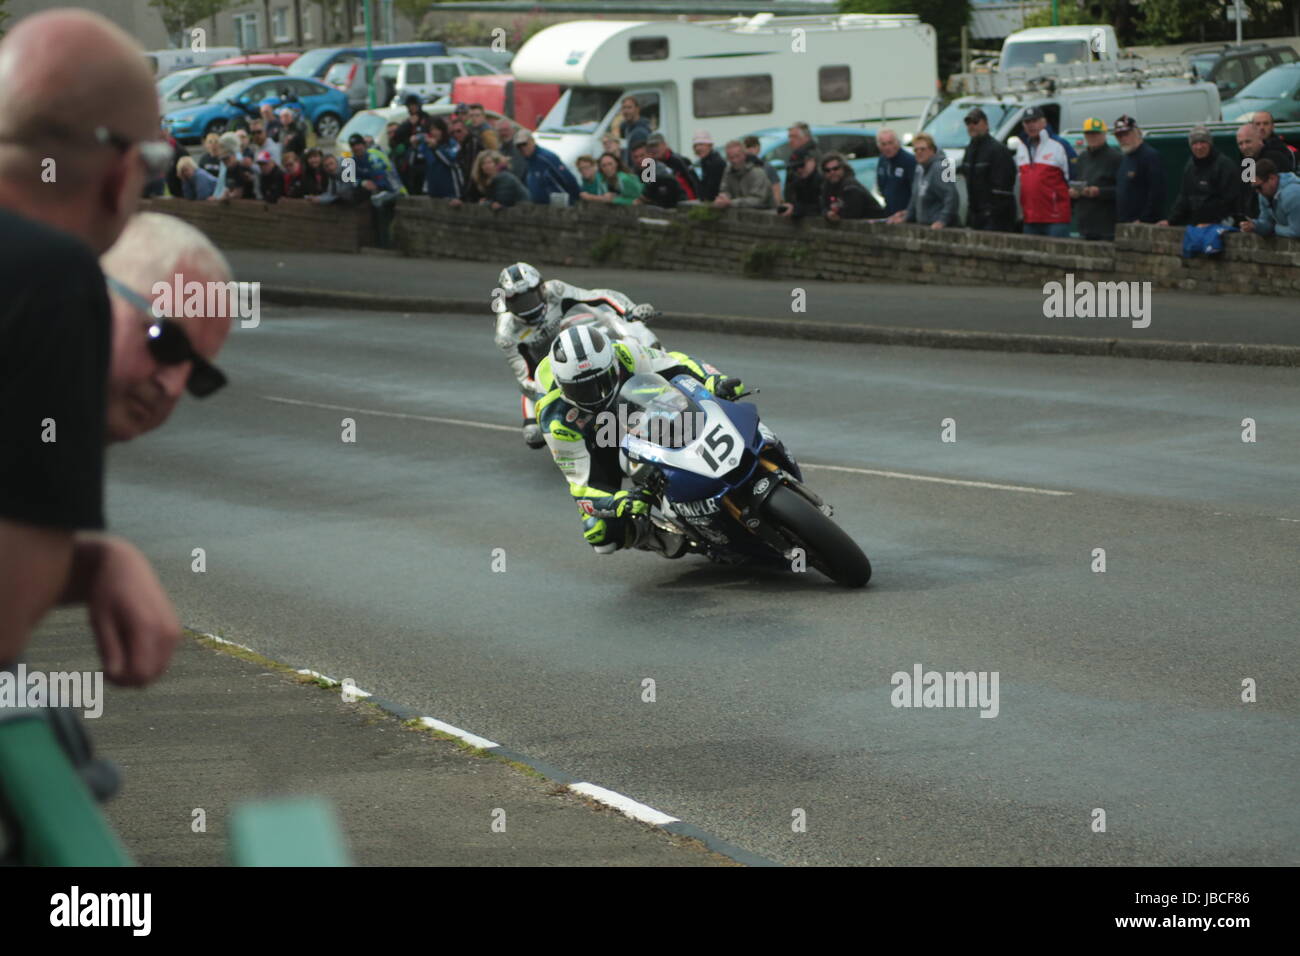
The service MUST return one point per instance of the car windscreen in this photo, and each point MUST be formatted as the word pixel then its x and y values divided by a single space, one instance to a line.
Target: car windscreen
pixel 173 80
pixel 311 62
pixel 1277 82
pixel 1025 54
pixel 579 110
pixel 949 127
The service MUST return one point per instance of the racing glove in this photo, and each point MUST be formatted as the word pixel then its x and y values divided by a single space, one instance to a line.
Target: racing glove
pixel 723 387
pixel 634 504
pixel 643 313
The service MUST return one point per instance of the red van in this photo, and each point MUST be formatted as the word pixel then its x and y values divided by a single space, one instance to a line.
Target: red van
pixel 525 103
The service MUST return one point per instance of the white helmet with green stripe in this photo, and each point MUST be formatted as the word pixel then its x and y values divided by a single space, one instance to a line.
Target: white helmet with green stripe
pixel 585 367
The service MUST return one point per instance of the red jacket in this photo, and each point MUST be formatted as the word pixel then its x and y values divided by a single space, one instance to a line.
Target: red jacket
pixel 1044 180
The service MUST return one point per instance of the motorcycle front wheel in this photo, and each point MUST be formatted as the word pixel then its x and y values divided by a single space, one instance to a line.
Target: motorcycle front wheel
pixel 828 548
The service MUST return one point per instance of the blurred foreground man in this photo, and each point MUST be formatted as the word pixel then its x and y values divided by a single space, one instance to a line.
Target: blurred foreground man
pixel 67 189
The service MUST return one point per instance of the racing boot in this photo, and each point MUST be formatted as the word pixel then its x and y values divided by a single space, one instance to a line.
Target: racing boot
pixel 533 434
pixel 651 537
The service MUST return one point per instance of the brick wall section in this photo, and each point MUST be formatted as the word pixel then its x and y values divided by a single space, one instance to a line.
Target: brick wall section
pixel 754 243
pixel 251 224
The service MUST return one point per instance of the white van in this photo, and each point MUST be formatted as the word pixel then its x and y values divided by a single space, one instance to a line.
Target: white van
pixel 1052 45
pixel 162 62
pixel 428 77
pixel 729 77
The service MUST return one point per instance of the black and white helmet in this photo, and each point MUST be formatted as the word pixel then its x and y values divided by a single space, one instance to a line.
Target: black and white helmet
pixel 522 285
pixel 585 367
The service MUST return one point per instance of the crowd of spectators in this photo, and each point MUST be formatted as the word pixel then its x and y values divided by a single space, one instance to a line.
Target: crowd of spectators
pixel 1037 183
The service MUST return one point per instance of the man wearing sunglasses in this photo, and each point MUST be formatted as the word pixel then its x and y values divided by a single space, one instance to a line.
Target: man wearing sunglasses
pixel 1279 202
pixel 66 193
pixel 156 359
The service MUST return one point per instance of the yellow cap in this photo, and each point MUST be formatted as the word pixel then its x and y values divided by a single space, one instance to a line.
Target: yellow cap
pixel 1093 125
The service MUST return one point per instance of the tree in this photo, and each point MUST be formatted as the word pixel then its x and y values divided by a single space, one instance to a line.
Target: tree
pixel 946 16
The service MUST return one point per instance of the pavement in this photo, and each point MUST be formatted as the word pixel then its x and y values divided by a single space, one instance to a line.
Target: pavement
pixel 225 727
pixel 1260 330
pixel 375 560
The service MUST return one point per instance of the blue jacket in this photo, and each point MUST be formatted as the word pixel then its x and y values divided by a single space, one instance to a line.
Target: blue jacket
pixel 1280 215
pixel 1140 186
pixel 546 174
pixel 376 167
pixel 894 180
pixel 443 178
pixel 199 186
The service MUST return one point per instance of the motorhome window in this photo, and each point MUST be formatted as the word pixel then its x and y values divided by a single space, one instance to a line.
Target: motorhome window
pixel 647 48
pixel 1045 51
pixel 833 84
pixel 732 95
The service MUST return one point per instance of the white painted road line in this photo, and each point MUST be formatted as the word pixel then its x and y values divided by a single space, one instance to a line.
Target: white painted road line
pixel 474 740
pixel 624 805
pixel 942 481
pixel 373 411
pixel 317 675
pixel 511 428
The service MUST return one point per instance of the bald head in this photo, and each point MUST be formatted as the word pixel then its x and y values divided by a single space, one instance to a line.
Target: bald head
pixel 63 72
pixel 1249 142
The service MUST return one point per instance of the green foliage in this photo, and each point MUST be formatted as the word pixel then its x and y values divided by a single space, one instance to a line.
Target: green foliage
pixel 606 247
pixel 759 261
pixel 703 214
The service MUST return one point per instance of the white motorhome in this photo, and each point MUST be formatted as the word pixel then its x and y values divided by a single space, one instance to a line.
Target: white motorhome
pixel 1052 45
pixel 729 77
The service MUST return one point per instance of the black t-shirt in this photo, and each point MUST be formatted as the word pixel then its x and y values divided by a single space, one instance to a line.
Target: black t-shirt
pixel 54 351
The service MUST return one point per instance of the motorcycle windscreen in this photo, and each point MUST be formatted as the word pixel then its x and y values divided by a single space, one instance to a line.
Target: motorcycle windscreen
pixel 659 413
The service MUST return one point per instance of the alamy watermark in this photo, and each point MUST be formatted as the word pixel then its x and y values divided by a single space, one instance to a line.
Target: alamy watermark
pixel 922 688
pixel 21 689
pixel 1098 300
pixel 181 299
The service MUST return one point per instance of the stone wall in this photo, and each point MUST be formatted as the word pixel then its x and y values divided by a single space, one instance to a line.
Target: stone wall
pixel 293 225
pixel 753 243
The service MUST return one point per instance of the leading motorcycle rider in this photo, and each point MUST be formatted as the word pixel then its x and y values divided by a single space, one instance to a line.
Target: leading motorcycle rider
pixel 529 312
pixel 588 369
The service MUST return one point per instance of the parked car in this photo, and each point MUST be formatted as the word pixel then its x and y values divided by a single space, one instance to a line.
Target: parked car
pixel 856 143
pixel 1232 68
pixel 428 77
pixel 374 123
pixel 262 59
pixel 162 62
pixel 324 107
pixel 197 84
pixel 498 58
pixel 1277 91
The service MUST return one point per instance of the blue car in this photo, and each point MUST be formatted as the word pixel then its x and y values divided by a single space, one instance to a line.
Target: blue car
pixel 856 143
pixel 323 106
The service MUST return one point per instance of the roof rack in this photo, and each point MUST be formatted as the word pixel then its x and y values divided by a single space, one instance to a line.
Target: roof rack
pixel 1054 77
pixel 1224 47
pixel 770 23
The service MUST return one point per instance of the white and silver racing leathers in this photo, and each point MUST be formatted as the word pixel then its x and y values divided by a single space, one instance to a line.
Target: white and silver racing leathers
pixel 526 345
